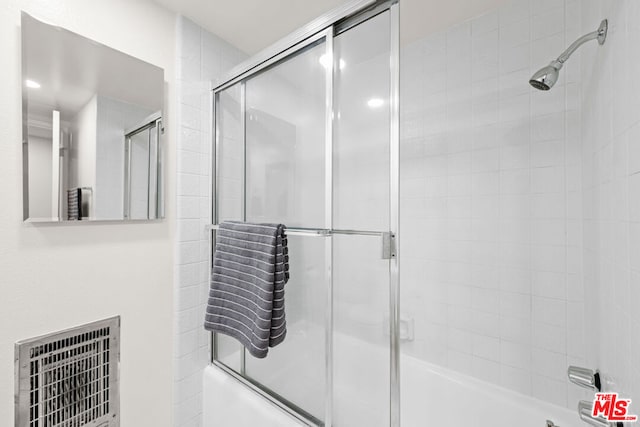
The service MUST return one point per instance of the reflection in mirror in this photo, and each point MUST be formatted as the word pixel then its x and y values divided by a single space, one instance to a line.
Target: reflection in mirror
pixel 92 129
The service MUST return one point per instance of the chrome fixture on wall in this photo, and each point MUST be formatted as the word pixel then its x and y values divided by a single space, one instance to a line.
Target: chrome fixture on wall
pixel 584 377
pixel 584 411
pixel 546 77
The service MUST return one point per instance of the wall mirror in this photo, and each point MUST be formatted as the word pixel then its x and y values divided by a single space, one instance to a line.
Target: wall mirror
pixel 92 129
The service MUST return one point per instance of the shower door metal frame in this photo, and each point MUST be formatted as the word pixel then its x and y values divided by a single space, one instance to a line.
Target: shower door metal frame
pixel 325 27
pixel 155 200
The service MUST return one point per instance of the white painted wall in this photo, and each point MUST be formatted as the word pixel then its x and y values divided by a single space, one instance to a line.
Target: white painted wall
pixel 54 276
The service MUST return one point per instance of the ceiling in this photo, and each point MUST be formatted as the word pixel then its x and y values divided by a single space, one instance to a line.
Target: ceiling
pixel 71 69
pixel 252 25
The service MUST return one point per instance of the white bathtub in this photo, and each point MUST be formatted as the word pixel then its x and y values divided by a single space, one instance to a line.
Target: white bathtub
pixel 227 403
pixel 431 396
pixel 436 396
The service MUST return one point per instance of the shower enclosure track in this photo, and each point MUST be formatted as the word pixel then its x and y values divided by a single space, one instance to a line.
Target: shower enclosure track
pixel 293 231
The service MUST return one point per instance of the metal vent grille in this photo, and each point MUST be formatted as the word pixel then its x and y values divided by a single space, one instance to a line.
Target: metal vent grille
pixel 69 378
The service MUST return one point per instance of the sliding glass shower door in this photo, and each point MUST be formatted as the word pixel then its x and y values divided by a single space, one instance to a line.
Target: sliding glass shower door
pixel 361 195
pixel 285 183
pixel 305 140
pixel 271 167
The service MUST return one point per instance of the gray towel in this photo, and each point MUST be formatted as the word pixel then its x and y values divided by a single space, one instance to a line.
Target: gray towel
pixel 246 296
pixel 74 202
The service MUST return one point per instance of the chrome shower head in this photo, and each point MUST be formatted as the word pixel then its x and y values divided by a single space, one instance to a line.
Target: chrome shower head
pixel 546 77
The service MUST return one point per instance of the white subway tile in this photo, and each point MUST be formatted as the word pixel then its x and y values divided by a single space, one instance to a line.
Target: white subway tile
pixel 187 298
pixel 548 127
pixel 550 311
pixel 547 180
pixel 187 342
pixel 188 230
pixel 515 305
pixel 548 206
pixel 487 300
pixel 515 280
pixel 188 275
pixel 187 411
pixel 549 364
pixel 515 231
pixel 549 285
pixel 485 276
pixel 549 390
pixel 486 160
pixel 515 108
pixel 486 370
pixel 516 329
pixel 189 139
pixel 515 33
pixel 515 181
pixel 515 206
pixel 549 23
pixel 188 184
pixel 541 54
pixel 485 323
pixel 511 86
pixel 549 337
pixel 485 183
pixel 547 153
pixel 485 23
pixel 460 362
pixel 514 11
pixel 515 355
pixel 549 258
pixel 548 232
pixel 459 340
pixel 513 58
pixel 515 379
pixel 515 157
pixel 459 295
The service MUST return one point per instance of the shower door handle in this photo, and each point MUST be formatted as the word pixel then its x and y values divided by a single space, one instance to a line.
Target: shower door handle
pixel 388 245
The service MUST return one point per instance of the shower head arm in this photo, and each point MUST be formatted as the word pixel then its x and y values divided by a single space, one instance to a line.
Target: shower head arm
pixel 600 34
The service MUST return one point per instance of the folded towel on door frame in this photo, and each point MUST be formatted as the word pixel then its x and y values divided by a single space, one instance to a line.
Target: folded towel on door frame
pixel 246 294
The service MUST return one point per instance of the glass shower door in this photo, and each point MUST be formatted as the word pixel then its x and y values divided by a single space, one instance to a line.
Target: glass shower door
pixel 306 141
pixel 271 138
pixel 285 120
pixel 361 194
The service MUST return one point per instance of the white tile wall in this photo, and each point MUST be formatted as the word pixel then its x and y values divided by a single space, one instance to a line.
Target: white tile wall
pixel 611 176
pixel 491 200
pixel 201 58
pixel 511 199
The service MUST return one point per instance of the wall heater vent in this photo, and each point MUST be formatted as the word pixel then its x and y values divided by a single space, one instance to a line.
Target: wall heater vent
pixel 69 378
